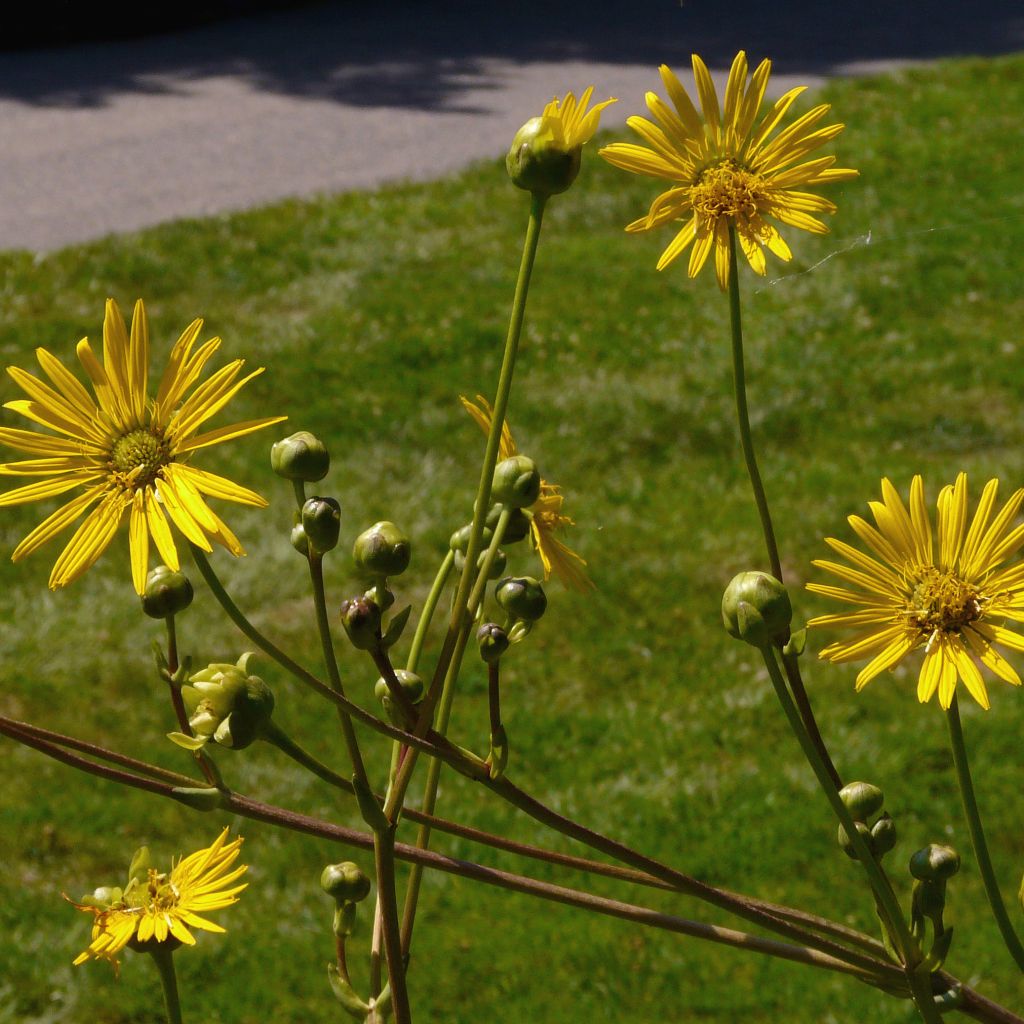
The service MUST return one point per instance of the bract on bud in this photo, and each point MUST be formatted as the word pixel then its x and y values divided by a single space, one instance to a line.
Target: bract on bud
pixel 517 528
pixel 935 863
pixel 302 456
pixel 460 538
pixel 862 800
pixel 361 618
pixel 516 482
pixel 412 686
pixel 321 521
pixel 522 597
pixel 299 540
pixel 539 161
pixel 382 550
pixel 167 592
pixel 492 641
pixel 226 705
pixel 497 566
pixel 756 608
pixel 345 882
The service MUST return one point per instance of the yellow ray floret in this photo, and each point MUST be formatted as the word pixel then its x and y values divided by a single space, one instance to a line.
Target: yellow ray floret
pixel 946 591
pixel 729 171
pixel 128 455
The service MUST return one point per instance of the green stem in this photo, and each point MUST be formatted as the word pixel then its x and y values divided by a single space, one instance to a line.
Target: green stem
pixel 884 895
pixel 429 608
pixel 164 960
pixel 384 861
pixel 742 416
pixel 980 844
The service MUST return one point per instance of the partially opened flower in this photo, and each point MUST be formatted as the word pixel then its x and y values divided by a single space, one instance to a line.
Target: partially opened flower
pixel 728 169
pixel 126 454
pixel 156 908
pixel 546 515
pixel 947 594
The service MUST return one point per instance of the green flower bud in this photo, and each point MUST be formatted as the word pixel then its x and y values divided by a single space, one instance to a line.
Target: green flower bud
pixel 497 566
pixel 167 593
pixel 935 863
pixel 361 618
pixel 883 835
pixel 516 482
pixel 300 457
pixel 382 550
pixel 226 705
pixel 460 538
pixel 847 843
pixel 518 527
pixel 492 641
pixel 522 597
pixel 103 898
pixel 321 521
pixel 756 608
pixel 299 540
pixel 411 685
pixel 345 882
pixel 539 162
pixel 862 800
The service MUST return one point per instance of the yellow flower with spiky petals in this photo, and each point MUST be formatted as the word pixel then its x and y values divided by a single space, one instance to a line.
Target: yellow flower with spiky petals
pixel 546 515
pixel 571 123
pixel 728 169
pixel 127 453
pixel 162 907
pixel 947 594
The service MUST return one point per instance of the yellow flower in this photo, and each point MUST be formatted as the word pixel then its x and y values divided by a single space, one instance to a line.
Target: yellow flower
pixel 162 907
pixel 570 122
pixel 546 515
pixel 726 171
pixel 948 595
pixel 128 454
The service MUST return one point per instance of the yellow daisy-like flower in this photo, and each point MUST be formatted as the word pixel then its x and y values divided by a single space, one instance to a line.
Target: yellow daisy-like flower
pixel 162 907
pixel 728 169
pixel 546 515
pixel 128 454
pixel 570 122
pixel 947 594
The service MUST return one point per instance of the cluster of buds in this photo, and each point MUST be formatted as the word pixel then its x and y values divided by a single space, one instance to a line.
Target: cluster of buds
pixel 303 458
pixel 864 802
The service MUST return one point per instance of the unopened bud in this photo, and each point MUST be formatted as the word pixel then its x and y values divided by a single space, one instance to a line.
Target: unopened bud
pixel 498 565
pixel 516 482
pixel 300 457
pixel 935 863
pixel 345 882
pixel 522 597
pixel 361 619
pixel 382 550
pixel 321 521
pixel 539 162
pixel 299 540
pixel 167 593
pixel 517 528
pixel 459 540
pixel 226 705
pixel 883 835
pixel 847 843
pixel 862 800
pixel 756 608
pixel 410 684
pixel 492 641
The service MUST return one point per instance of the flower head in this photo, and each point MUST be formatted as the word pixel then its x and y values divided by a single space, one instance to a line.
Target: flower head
pixel 545 154
pixel 157 907
pixel 126 454
pixel 546 515
pixel 728 169
pixel 947 593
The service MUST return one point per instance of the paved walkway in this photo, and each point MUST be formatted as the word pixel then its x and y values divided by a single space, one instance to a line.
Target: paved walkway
pixel 116 136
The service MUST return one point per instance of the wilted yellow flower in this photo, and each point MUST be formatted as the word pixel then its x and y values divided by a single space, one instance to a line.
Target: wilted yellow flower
pixel 728 169
pixel 948 595
pixel 128 454
pixel 546 515
pixel 160 907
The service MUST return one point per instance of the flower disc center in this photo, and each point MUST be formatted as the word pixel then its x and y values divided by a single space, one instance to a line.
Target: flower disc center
pixel 139 456
pixel 943 601
pixel 727 190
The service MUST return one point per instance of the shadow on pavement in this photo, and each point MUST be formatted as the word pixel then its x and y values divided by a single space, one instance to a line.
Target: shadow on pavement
pixel 422 55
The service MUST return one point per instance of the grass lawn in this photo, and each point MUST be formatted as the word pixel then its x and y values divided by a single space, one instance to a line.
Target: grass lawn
pixel 892 346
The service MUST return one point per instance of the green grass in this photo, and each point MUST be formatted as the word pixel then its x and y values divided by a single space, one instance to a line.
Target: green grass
pixel 630 709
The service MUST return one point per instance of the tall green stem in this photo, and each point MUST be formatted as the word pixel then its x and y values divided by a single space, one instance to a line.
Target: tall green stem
pixel 980 844
pixel 429 607
pixel 164 960
pixel 742 416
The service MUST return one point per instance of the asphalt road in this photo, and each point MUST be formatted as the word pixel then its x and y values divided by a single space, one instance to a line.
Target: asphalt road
pixel 111 137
